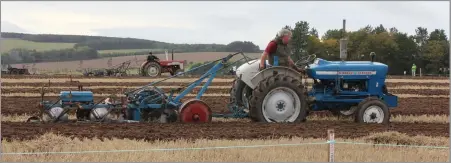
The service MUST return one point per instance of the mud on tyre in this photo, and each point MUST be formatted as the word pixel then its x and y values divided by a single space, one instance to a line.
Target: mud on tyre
pixel 279 96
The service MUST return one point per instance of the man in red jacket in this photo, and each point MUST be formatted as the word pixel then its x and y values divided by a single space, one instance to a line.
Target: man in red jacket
pixel 279 47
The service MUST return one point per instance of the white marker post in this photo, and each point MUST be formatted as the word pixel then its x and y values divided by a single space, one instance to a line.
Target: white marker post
pixel 331 134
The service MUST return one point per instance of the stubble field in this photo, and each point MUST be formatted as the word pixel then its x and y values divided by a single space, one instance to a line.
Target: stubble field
pixel 421 119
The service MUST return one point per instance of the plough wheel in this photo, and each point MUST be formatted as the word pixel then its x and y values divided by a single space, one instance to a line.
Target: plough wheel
pixel 195 110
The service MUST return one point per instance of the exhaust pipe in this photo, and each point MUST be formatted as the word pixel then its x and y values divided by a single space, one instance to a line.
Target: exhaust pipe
pixel 343 43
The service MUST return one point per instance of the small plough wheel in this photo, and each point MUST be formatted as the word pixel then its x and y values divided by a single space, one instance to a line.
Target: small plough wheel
pixel 195 110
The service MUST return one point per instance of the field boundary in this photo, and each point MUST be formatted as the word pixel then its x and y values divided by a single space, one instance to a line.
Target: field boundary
pixel 330 141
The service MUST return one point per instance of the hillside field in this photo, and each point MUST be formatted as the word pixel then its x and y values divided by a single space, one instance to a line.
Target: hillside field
pixel 8 44
pixel 129 51
pixel 103 62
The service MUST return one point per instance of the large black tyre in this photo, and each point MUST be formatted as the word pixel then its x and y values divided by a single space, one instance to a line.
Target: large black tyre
pixel 273 83
pixel 236 94
pixel 378 109
pixel 155 73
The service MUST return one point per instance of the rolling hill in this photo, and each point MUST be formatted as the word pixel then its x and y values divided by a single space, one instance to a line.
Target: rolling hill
pixel 12 43
pixel 42 48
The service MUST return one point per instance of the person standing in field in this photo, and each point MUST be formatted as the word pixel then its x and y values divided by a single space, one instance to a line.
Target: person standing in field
pixel 414 69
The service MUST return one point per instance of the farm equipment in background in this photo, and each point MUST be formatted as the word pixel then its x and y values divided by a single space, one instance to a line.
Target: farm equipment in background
pixel 15 71
pixel 153 66
pixel 116 70
pixel 147 103
pixel 347 88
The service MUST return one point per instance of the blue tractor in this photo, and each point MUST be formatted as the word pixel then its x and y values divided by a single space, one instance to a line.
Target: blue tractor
pixel 279 94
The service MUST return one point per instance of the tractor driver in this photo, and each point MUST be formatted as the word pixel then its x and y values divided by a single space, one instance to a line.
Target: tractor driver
pixel 279 47
pixel 151 57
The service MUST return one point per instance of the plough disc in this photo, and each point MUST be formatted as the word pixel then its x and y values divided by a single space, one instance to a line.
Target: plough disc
pixel 100 114
pixel 195 110
pixel 50 115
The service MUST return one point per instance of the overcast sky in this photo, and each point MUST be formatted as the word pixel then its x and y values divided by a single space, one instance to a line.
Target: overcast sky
pixel 214 22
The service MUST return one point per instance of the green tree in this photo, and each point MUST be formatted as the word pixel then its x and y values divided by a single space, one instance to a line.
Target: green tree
pixel 300 39
pixel 332 34
pixel 379 29
pixel 438 35
pixel 314 32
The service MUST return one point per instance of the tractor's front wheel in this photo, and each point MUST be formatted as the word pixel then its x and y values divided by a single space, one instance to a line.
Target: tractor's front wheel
pixel 279 98
pixel 372 110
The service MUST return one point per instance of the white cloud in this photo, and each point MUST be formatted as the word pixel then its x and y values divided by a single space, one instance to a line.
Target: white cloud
pixel 218 22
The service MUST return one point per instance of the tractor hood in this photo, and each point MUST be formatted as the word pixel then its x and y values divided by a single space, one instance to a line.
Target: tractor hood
pixel 323 69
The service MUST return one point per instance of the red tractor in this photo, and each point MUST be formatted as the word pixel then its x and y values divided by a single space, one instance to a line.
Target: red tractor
pixel 153 67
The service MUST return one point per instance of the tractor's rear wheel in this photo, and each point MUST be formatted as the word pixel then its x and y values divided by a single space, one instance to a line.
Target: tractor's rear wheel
pixel 372 110
pixel 279 98
pixel 152 69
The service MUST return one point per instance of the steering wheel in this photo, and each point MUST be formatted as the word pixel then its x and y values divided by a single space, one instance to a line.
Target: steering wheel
pixel 305 60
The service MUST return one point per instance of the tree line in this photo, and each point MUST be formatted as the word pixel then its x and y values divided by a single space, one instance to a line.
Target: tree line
pixel 427 50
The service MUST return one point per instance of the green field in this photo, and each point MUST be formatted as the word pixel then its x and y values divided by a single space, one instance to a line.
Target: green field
pixel 129 51
pixel 8 44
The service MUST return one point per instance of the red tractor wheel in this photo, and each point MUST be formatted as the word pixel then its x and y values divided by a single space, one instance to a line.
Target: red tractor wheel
pixel 195 110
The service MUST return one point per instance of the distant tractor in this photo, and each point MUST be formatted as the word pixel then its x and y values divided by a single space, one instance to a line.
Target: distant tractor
pixel 16 71
pixel 153 66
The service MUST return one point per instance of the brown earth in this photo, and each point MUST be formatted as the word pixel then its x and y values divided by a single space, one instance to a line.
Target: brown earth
pixel 75 77
pixel 171 83
pixel 131 84
pixel 43 76
pixel 216 130
pixel 104 90
pixel 420 91
pixel 196 90
pixel 417 84
pixel 406 106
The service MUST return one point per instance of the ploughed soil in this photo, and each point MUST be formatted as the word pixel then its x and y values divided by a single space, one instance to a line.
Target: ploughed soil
pixel 164 75
pixel 210 90
pixel 216 130
pixel 118 84
pixel 175 83
pixel 406 106
pixel 186 76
